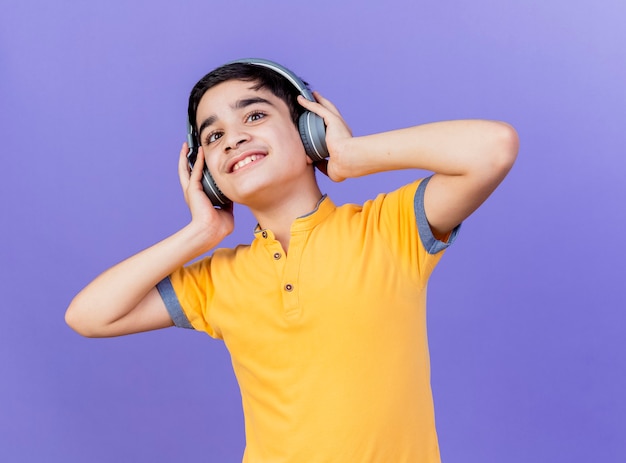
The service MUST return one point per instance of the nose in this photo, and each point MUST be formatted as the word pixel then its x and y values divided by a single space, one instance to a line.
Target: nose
pixel 235 139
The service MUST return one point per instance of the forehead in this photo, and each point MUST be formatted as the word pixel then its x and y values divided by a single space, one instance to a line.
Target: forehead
pixel 224 96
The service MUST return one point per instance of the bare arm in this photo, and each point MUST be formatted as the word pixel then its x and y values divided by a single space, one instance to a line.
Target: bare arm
pixel 469 158
pixel 123 299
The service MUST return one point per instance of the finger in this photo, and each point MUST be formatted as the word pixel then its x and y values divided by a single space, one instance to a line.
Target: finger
pixel 329 113
pixel 183 166
pixel 326 103
pixel 198 166
pixel 316 108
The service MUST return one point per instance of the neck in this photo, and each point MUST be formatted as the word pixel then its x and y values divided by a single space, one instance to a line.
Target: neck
pixel 280 215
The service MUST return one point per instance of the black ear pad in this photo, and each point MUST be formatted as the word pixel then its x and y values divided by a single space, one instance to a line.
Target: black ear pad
pixel 313 135
pixel 211 189
pixel 209 186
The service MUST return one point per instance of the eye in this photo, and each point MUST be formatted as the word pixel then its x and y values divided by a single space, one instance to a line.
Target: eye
pixel 212 137
pixel 255 116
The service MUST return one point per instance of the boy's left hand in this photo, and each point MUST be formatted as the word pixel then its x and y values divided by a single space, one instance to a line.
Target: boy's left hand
pixel 337 134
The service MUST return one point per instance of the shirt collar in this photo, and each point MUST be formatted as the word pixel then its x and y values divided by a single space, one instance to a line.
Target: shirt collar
pixel 323 209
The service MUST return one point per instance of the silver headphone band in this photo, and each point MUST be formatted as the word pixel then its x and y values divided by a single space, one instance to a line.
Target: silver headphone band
pixel 286 73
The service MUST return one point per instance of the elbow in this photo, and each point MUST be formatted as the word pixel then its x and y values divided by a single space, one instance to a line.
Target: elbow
pixel 501 152
pixel 77 319
pixel 506 143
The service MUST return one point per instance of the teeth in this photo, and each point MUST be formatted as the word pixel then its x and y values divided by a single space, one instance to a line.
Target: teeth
pixel 245 161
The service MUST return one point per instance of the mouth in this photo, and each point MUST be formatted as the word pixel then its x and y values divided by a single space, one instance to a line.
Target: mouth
pixel 244 161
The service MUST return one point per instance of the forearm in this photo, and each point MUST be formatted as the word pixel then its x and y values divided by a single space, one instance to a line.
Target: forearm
pixel 469 158
pixel 105 306
pixel 464 147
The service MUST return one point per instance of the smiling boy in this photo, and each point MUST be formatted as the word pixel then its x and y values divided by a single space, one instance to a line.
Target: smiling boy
pixel 324 312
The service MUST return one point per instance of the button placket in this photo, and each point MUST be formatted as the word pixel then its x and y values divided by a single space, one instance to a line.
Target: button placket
pixel 277 261
pixel 291 274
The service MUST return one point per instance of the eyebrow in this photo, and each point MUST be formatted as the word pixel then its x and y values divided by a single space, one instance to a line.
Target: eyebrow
pixel 239 104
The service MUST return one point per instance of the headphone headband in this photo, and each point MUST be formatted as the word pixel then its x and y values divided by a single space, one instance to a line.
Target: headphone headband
pixel 283 71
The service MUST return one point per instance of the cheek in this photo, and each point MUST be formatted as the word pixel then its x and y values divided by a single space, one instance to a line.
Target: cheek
pixel 210 162
pixel 295 143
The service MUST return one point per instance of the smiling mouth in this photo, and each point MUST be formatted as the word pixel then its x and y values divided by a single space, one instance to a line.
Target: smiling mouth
pixel 247 160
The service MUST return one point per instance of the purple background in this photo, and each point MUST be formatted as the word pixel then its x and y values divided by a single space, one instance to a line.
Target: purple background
pixel 526 311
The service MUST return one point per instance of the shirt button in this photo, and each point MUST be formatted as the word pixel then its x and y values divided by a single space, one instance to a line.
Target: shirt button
pixel 264 234
pixel 288 287
pixel 277 255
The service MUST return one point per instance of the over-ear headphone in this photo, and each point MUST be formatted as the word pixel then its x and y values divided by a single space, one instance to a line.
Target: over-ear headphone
pixel 310 125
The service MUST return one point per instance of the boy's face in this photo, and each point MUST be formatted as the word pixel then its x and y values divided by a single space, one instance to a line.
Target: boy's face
pixel 252 147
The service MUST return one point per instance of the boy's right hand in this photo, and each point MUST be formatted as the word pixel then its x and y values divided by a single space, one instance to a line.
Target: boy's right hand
pixel 211 225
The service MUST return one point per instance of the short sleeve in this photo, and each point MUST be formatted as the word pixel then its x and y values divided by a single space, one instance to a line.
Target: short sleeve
pixel 430 243
pixel 166 290
pixel 406 230
pixel 187 294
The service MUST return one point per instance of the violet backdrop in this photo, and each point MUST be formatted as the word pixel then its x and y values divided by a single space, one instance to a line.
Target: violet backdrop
pixel 526 310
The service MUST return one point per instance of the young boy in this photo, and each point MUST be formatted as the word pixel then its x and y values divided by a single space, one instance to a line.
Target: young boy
pixel 324 312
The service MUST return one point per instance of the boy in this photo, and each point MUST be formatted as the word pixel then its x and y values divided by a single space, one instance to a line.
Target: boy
pixel 324 312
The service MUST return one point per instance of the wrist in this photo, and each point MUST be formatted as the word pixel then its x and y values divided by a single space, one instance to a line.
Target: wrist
pixel 198 239
pixel 358 158
pixel 345 160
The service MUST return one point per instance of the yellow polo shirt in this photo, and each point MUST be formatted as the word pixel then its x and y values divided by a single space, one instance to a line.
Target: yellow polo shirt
pixel 328 343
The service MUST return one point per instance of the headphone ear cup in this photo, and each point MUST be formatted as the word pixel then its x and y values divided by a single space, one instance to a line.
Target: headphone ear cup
pixel 211 189
pixel 313 135
pixel 209 186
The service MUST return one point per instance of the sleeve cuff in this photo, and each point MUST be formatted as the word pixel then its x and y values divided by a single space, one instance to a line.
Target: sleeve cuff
pixel 431 244
pixel 172 304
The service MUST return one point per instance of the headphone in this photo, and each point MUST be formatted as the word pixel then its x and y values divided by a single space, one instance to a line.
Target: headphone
pixel 310 125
